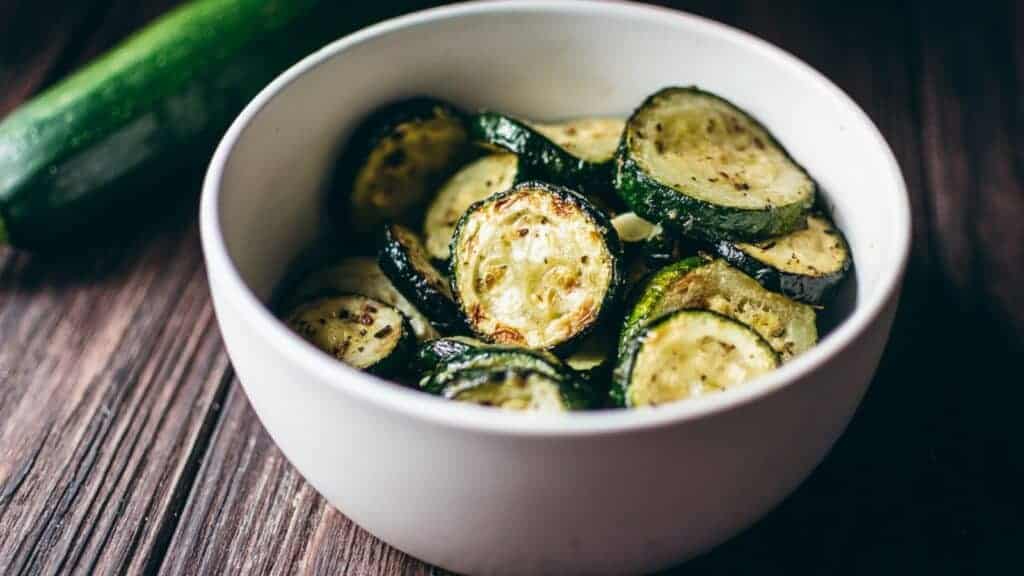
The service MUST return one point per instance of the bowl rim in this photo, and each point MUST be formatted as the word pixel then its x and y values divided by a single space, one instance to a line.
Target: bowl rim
pixel 393 397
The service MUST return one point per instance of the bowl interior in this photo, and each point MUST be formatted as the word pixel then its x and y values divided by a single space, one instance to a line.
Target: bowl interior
pixel 544 62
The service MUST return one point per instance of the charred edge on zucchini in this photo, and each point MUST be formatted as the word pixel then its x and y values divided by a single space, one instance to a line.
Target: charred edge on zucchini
pixel 474 182
pixel 363 276
pixel 788 326
pixel 513 389
pixel 433 353
pixel 361 332
pixel 686 354
pixel 578 153
pixel 404 260
pixel 807 265
pixel 695 161
pixel 536 266
pixel 394 159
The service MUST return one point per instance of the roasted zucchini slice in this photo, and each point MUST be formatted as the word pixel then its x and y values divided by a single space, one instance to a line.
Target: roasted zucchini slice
pixel 578 153
pixel 504 358
pixel 395 158
pixel 788 326
pixel 363 276
pixel 686 354
pixel 513 389
pixel 404 260
pixel 474 182
pixel 361 332
pixel 435 352
pixel 807 265
pixel 495 357
pixel 536 266
pixel 697 162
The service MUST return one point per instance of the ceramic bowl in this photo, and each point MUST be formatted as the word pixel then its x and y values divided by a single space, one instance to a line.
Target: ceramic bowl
pixel 481 491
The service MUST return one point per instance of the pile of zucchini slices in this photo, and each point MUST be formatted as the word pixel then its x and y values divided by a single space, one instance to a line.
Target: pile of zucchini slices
pixel 586 264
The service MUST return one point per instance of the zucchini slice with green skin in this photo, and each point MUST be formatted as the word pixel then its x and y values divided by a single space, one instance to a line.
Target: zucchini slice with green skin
pixel 807 265
pixel 504 358
pixel 495 357
pixel 695 161
pixel 578 153
pixel 433 353
pixel 394 160
pixel 513 389
pixel 686 354
pixel 361 332
pixel 474 182
pixel 404 260
pixel 363 276
pixel 536 266
pixel 788 326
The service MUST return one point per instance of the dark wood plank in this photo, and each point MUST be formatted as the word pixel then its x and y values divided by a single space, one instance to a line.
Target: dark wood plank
pixel 111 372
pixel 252 513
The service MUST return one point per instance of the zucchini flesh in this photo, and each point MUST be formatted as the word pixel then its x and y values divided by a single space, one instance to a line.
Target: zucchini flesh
pixel 788 326
pixel 543 157
pixel 395 158
pixel 690 353
pixel 693 160
pixel 404 260
pixel 806 265
pixel 363 276
pixel 361 332
pixel 536 266
pixel 474 182
pixel 591 139
pixel 511 389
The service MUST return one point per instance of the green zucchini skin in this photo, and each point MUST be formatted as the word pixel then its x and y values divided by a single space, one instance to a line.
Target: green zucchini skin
pixel 404 260
pixel 387 126
pixel 92 148
pixel 433 353
pixel 611 303
pixel 694 217
pixel 539 157
pixel 622 375
pixel 811 289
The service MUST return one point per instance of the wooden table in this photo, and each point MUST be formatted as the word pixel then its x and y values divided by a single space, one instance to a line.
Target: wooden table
pixel 126 445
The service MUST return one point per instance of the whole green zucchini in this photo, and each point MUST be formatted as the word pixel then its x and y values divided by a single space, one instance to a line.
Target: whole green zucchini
pixel 95 146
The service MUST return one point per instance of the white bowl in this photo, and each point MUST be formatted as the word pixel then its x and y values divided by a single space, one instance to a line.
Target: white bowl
pixel 481 491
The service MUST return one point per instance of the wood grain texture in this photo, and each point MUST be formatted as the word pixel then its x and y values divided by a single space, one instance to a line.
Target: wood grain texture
pixel 116 456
